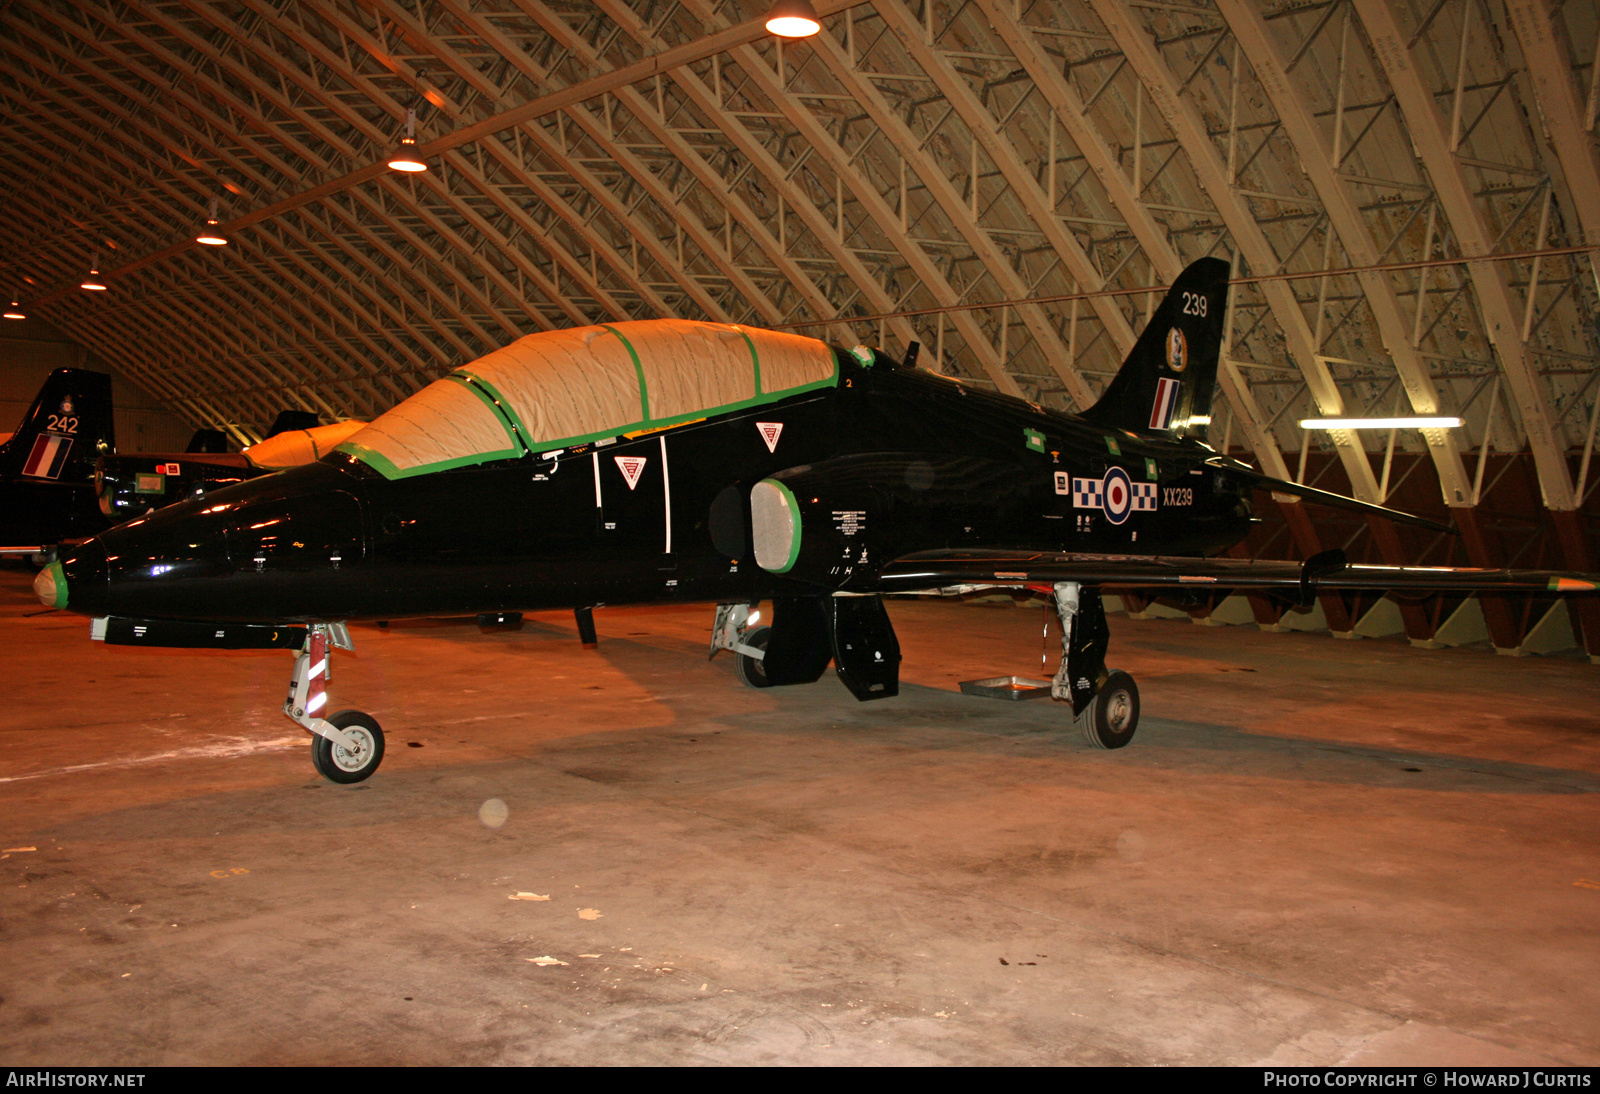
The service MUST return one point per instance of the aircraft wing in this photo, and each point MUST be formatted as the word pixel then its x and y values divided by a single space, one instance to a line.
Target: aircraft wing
pixel 1327 572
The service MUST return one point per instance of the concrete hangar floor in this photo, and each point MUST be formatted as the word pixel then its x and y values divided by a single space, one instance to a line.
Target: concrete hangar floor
pixel 1315 851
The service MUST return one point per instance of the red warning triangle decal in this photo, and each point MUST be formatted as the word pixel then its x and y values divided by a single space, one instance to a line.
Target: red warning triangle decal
pixel 631 467
pixel 770 432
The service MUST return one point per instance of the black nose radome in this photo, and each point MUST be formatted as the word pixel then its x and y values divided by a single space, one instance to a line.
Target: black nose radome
pixel 81 576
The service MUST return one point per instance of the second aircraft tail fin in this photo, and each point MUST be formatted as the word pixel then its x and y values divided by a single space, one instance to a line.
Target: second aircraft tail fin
pixel 68 427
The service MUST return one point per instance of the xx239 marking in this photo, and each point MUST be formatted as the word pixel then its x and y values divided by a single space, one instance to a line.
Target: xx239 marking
pixel 1177 495
pixel 60 423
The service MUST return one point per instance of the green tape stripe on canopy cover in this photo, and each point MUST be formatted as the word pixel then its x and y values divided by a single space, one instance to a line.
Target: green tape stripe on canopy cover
pixel 644 392
pixel 755 358
pixel 497 402
pixel 483 392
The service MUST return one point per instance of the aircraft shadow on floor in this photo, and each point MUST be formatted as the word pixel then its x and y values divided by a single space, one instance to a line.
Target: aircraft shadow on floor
pixel 940 720
pixel 1041 728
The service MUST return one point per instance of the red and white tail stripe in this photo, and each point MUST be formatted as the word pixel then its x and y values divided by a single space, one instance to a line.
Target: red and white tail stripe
pixel 48 456
pixel 1166 403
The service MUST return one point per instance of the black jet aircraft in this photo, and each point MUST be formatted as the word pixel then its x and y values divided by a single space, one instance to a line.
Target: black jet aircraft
pixel 667 460
pixel 47 465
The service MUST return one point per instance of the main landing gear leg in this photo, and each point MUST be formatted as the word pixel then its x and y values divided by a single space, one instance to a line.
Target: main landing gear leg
pixel 346 747
pixel 1105 704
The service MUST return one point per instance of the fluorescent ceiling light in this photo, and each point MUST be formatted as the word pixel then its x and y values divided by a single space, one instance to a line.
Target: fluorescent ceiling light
pixel 1380 423
pixel 793 19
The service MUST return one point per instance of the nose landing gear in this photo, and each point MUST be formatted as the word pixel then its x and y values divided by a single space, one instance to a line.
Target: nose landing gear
pixel 346 747
pixel 343 763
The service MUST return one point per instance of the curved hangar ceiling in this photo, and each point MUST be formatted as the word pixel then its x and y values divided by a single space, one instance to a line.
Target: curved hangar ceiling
pixel 997 179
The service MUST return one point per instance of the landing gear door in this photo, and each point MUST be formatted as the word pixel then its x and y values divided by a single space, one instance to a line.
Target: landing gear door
pixel 866 653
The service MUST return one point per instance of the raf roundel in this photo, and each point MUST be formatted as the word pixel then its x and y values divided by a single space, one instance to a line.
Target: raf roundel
pixel 1117 499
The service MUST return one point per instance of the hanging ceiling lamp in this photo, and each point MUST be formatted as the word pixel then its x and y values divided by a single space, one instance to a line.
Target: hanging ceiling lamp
pixel 93 282
pixel 793 19
pixel 211 235
pixel 405 157
pixel 15 311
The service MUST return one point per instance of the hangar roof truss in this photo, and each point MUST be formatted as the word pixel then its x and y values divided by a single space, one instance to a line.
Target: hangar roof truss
pixel 997 179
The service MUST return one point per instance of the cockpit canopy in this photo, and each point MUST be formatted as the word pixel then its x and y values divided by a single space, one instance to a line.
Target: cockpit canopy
pixel 555 389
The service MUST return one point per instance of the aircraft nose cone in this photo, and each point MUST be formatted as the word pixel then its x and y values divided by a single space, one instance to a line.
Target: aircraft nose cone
pixel 51 586
pixel 82 568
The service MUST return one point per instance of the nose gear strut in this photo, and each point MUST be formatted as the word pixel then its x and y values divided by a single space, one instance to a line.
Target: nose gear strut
pixel 346 747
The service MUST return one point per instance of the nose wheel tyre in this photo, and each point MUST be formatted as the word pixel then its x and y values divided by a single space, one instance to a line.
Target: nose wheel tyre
pixel 338 764
pixel 1111 717
pixel 752 670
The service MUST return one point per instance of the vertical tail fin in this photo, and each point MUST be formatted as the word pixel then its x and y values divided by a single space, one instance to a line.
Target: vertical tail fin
pixel 1167 382
pixel 288 421
pixel 208 441
pixel 66 430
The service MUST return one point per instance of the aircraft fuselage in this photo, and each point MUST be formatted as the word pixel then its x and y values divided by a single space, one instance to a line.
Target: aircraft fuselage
pixel 894 459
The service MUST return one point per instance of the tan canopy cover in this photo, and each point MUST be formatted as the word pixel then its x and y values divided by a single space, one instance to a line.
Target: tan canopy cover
pixel 294 447
pixel 559 388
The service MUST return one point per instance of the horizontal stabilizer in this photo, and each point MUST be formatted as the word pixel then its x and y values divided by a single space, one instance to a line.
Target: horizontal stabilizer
pixel 1324 573
pixel 1264 481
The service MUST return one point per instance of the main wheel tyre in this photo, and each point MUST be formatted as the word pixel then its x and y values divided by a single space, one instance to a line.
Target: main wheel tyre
pixel 1113 714
pixel 752 670
pixel 338 764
